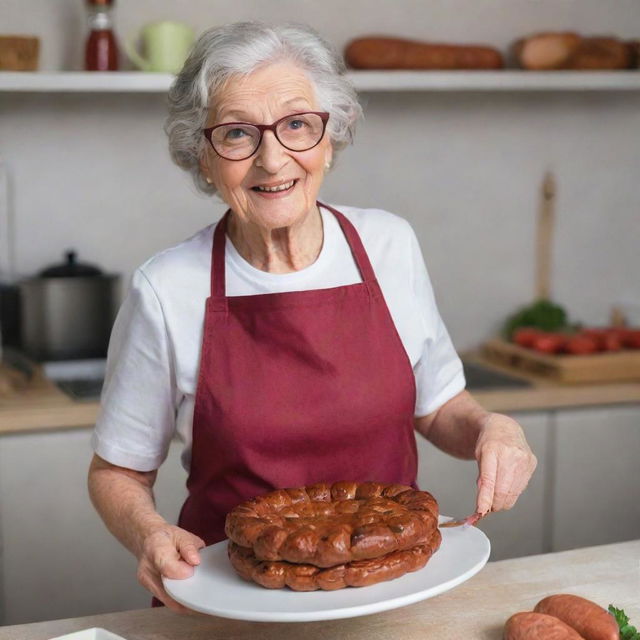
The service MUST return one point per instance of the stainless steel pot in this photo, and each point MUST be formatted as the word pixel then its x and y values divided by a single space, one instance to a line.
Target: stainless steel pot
pixel 68 311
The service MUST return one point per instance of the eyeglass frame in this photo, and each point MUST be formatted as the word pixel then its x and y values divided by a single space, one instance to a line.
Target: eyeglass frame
pixel 324 115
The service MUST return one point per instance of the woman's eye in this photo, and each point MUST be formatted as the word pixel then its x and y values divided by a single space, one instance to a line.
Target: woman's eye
pixel 234 134
pixel 297 124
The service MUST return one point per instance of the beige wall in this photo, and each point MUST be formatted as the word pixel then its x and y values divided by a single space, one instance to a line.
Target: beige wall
pixel 92 171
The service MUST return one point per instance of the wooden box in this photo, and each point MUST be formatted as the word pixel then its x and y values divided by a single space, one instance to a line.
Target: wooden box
pixel 598 367
pixel 19 53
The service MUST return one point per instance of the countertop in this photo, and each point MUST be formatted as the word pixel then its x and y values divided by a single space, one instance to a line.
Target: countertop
pixel 42 406
pixel 608 574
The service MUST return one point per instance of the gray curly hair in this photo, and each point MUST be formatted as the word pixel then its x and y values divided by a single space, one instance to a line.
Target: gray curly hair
pixel 241 48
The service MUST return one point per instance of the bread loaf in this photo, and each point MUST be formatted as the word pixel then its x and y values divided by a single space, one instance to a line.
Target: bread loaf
pixel 398 53
pixel 600 54
pixel 545 51
pixel 570 51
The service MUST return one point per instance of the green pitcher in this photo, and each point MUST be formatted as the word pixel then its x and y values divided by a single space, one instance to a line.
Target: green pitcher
pixel 166 46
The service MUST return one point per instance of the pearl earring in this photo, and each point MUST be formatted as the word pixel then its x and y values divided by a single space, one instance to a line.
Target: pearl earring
pixel 327 165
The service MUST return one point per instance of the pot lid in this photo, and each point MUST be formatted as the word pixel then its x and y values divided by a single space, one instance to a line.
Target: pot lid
pixel 70 269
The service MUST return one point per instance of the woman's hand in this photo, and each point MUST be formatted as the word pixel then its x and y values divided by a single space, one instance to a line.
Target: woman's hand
pixel 505 463
pixel 171 552
pixel 463 428
pixel 124 499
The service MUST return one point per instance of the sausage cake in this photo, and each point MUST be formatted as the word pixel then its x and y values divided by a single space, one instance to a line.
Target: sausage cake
pixel 330 536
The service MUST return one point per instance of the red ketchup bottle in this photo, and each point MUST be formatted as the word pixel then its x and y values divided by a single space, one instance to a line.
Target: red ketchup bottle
pixel 101 52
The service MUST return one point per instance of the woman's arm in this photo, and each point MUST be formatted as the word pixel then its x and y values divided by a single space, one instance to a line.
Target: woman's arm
pixel 124 499
pixel 462 428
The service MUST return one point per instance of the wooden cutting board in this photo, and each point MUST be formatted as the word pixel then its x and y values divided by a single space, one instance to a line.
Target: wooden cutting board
pixel 598 367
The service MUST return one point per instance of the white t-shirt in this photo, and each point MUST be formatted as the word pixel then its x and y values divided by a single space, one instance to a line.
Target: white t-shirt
pixel 154 353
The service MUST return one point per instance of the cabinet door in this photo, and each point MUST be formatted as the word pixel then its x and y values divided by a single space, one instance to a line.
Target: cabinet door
pixel 513 533
pixel 58 559
pixel 596 476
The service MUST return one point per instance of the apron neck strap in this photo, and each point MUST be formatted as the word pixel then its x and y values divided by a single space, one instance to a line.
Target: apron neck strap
pixel 355 244
pixel 218 279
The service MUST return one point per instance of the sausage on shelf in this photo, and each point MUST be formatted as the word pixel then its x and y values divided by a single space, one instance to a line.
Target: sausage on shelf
pixel 398 53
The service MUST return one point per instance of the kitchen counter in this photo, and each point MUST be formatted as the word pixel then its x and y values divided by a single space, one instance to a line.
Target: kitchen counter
pixel 478 608
pixel 42 405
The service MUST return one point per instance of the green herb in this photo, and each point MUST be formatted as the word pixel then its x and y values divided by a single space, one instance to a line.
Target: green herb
pixel 627 632
pixel 542 314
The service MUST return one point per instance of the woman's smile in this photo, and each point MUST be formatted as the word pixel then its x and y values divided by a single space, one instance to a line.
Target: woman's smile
pixel 277 189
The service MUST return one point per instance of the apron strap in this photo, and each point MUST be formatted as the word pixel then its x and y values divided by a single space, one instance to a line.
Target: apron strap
pixel 218 277
pixel 355 244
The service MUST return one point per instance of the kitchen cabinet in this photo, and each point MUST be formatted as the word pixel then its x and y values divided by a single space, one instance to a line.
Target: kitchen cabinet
pixel 596 476
pixel 58 559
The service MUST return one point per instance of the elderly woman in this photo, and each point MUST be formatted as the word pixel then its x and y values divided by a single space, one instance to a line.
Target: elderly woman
pixel 290 343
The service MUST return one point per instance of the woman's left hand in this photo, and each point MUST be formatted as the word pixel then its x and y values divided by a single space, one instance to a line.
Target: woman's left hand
pixel 505 463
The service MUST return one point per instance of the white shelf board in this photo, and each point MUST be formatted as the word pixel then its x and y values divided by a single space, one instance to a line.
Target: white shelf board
pixel 496 80
pixel 138 82
pixel 85 82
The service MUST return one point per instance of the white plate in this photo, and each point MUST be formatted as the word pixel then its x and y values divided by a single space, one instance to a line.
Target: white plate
pixel 95 633
pixel 216 589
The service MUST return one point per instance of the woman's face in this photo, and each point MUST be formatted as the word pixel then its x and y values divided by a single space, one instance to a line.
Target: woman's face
pixel 263 97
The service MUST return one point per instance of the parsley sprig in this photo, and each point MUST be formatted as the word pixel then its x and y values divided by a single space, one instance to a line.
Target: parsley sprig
pixel 627 632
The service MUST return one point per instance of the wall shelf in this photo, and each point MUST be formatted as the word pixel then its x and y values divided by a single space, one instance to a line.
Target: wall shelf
pixel 366 81
pixel 495 80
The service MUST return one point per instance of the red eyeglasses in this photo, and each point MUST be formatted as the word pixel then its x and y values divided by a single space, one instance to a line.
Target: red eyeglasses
pixel 240 140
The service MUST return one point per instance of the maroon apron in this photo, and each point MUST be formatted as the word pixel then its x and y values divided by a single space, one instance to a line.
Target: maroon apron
pixel 296 388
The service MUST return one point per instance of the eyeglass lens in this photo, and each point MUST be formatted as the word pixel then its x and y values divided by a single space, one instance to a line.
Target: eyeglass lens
pixel 297 132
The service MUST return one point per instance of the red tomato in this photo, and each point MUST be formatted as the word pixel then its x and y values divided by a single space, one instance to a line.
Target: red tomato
pixel 581 344
pixel 632 338
pixel 593 332
pixel 606 338
pixel 548 342
pixel 526 336
pixel 611 341
pixel 621 332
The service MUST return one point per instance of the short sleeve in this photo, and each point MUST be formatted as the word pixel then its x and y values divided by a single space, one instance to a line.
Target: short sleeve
pixel 137 413
pixel 439 374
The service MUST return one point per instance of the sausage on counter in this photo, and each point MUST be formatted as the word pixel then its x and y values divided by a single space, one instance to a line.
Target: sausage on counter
pixel 527 625
pixel 586 617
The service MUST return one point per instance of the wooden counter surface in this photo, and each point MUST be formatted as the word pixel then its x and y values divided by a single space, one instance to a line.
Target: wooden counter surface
pixel 43 406
pixel 478 608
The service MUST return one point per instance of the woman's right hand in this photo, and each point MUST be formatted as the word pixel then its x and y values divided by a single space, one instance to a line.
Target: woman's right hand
pixel 171 552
